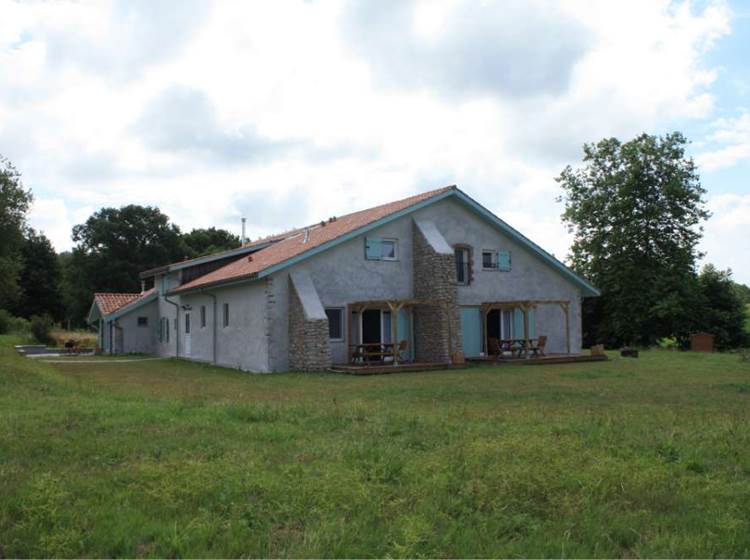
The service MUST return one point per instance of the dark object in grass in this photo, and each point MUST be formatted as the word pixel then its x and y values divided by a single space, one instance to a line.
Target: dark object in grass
pixel 629 352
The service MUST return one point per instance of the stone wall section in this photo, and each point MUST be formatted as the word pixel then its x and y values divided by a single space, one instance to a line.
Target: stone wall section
pixel 309 347
pixel 434 280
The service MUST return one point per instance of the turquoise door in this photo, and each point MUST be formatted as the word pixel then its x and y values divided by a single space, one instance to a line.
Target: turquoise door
pixel 471 331
pixel 404 333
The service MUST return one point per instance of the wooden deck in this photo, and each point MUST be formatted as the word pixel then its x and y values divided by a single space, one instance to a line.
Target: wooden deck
pixel 379 369
pixel 541 360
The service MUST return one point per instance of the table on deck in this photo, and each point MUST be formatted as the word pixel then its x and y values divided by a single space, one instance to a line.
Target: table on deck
pixel 359 353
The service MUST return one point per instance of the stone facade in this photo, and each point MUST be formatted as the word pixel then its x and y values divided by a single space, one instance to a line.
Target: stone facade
pixel 437 332
pixel 309 347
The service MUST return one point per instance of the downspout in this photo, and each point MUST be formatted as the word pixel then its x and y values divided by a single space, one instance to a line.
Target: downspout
pixel 177 328
pixel 213 297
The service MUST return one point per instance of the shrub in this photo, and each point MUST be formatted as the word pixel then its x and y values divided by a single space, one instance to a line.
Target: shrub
pixel 19 325
pixel 41 328
pixel 5 321
pixel 668 343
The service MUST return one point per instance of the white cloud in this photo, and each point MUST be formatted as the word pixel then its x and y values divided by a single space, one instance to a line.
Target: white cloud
pixel 727 234
pixel 731 143
pixel 286 113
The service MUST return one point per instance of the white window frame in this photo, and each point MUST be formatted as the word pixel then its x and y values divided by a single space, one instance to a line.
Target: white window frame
pixel 395 249
pixel 342 313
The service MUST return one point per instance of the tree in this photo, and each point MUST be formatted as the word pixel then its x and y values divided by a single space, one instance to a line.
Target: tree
pixel 206 241
pixel 39 278
pixel 114 246
pixel 14 203
pixel 635 210
pixel 722 312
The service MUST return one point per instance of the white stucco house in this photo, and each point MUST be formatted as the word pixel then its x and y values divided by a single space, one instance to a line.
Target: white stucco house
pixel 437 275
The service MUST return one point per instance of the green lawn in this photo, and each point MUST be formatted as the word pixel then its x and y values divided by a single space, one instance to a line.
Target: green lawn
pixel 647 457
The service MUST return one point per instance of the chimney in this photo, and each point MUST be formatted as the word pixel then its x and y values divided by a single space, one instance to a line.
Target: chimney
pixel 243 238
pixel 307 235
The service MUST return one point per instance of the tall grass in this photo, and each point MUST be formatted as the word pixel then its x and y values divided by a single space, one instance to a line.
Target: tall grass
pixel 647 457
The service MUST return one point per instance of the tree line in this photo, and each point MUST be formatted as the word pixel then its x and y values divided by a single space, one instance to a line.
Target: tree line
pixel 635 210
pixel 111 248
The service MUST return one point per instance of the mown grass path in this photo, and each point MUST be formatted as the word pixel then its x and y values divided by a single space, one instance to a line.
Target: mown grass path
pixel 647 457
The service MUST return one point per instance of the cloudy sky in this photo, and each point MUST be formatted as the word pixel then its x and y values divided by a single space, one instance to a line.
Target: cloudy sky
pixel 289 112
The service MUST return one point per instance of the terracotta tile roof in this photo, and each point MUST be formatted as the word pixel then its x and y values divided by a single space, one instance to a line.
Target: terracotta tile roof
pixel 293 243
pixel 109 302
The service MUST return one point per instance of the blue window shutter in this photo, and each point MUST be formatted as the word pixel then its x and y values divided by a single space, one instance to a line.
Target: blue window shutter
pixel 503 260
pixel 373 251
pixel 532 323
pixel 517 323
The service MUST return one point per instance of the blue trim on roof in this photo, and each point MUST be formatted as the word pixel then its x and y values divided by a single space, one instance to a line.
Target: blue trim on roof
pixel 131 307
pixel 355 233
pixel 587 290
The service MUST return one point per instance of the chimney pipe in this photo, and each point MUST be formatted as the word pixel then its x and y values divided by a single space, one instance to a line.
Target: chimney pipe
pixel 243 239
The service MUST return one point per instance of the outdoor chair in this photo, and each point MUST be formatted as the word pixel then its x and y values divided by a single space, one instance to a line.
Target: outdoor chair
pixel 538 348
pixel 402 347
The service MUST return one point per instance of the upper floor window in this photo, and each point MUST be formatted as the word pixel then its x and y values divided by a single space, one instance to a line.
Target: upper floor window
pixel 142 321
pixel 377 249
pixel 463 265
pixel 496 260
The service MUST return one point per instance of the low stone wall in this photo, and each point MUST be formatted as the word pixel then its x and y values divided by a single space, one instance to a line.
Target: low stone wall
pixel 309 347
pixel 436 331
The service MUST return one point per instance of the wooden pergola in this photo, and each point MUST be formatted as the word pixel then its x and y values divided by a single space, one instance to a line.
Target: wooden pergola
pixel 394 306
pixel 525 306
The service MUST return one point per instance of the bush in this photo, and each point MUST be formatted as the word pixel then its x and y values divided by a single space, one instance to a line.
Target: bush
pixel 5 321
pixel 12 325
pixel 19 325
pixel 668 343
pixel 41 328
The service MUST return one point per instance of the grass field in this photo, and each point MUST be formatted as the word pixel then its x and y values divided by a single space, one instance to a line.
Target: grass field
pixel 647 457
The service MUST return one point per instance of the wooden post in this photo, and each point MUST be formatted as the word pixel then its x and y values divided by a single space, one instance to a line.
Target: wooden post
pixel 564 305
pixel 394 330
pixel 525 310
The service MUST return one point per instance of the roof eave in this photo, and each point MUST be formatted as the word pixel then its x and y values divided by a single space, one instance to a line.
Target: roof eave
pixel 125 309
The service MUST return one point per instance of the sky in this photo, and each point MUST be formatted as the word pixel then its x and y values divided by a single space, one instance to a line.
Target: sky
pixel 288 112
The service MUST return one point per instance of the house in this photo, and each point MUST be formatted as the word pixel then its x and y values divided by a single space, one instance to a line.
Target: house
pixel 436 272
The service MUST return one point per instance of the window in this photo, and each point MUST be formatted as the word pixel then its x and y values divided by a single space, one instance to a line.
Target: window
pixel 143 321
pixel 496 260
pixel 166 324
pixel 203 316
pixel 335 323
pixel 463 265
pixel 187 323
pixel 161 329
pixel 377 249
pixel 226 314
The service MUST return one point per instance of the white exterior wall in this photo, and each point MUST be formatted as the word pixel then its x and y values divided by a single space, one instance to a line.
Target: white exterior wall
pixel 243 343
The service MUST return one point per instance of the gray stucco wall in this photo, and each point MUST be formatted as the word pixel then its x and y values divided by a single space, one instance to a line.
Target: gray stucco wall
pixel 342 275
pixel 529 277
pixel 135 338
pixel 243 343
pixel 257 338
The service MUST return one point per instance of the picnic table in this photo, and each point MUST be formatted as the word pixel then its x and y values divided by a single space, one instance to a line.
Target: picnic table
pixel 372 351
pixel 519 348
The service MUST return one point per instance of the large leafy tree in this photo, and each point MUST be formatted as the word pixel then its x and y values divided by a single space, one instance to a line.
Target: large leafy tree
pixel 635 209
pixel 212 240
pixel 722 312
pixel 40 278
pixel 113 247
pixel 14 203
